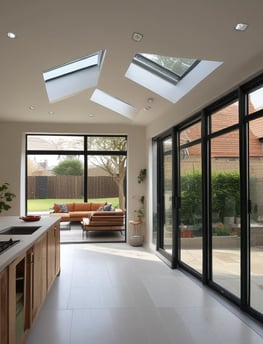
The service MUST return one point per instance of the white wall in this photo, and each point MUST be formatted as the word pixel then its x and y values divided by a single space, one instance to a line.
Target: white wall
pixel 12 149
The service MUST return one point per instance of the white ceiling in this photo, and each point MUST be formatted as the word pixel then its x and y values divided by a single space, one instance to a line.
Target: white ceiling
pixel 53 32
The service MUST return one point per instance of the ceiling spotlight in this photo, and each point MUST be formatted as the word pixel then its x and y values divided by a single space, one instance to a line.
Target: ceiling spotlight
pixel 137 36
pixel 241 27
pixel 51 112
pixel 11 35
pixel 150 100
pixel 147 108
pixel 32 107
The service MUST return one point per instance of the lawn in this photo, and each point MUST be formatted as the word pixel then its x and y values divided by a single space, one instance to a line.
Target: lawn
pixel 45 205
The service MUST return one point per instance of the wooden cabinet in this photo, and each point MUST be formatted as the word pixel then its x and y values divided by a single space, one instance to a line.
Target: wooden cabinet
pixel 53 253
pixel 39 274
pixel 4 306
pixel 18 302
pixel 25 283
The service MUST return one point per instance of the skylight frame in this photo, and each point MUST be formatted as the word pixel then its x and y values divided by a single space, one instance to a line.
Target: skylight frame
pixel 74 66
pixel 71 78
pixel 113 103
pixel 160 71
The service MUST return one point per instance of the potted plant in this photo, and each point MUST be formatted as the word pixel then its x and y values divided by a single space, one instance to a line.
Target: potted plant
pixel 140 211
pixel 142 175
pixel 5 197
pixel 136 239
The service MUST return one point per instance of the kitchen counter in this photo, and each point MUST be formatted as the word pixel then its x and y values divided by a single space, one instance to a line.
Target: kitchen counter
pixel 26 241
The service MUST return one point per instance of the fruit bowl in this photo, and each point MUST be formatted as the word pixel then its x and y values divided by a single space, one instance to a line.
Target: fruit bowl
pixel 30 218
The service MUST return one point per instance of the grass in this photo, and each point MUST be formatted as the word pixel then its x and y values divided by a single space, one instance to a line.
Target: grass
pixel 45 205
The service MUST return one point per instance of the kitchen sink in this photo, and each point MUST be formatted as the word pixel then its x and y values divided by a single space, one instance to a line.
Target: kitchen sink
pixel 20 230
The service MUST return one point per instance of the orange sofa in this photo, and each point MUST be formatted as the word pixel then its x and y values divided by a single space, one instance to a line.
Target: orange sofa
pixel 99 215
pixel 104 221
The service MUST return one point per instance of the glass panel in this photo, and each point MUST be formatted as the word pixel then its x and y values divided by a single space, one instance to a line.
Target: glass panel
pixel 73 66
pixel 176 65
pixel 53 179
pixel 167 195
pixel 225 197
pixel 255 101
pixel 54 143
pixel 224 117
pixel 256 216
pixel 106 179
pixel 154 193
pixel 190 134
pixel 107 143
pixel 191 208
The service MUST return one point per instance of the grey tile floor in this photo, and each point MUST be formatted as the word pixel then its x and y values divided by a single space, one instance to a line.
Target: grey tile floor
pixel 115 293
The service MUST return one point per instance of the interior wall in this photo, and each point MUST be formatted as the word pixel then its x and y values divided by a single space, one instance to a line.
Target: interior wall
pixel 12 157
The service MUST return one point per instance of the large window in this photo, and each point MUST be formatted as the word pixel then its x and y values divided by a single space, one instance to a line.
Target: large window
pixel 63 169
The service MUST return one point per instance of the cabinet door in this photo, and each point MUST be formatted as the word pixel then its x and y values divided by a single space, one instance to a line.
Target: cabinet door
pixel 4 307
pixel 39 279
pixel 17 300
pixel 53 253
pixel 57 243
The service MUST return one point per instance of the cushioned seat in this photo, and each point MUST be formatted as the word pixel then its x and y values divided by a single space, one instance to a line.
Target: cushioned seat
pixel 100 218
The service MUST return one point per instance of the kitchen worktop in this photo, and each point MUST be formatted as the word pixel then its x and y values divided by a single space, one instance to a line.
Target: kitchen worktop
pixel 26 241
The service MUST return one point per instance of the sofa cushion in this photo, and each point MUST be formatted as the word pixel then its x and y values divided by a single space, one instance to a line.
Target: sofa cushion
pixel 85 206
pixel 107 213
pixel 79 214
pixel 96 206
pixel 70 206
pixel 56 208
pixel 63 208
pixel 106 207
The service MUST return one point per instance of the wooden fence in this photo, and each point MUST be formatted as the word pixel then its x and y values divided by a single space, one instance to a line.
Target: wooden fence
pixel 70 187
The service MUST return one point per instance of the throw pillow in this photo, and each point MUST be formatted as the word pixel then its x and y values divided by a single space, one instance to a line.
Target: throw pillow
pixel 108 207
pixel 63 208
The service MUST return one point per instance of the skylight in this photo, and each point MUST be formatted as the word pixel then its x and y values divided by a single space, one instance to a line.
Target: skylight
pixel 172 69
pixel 169 77
pixel 113 103
pixel 73 77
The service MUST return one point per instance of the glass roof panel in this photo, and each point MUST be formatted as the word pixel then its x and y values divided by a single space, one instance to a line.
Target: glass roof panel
pixel 177 65
pixel 73 66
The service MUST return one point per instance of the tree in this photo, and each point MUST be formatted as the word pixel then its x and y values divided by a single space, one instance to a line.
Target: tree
pixel 69 167
pixel 114 165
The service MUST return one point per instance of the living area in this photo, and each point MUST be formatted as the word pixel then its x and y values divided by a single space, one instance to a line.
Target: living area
pixel 90 222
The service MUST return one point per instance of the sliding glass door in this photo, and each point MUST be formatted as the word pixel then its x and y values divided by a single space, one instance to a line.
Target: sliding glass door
pixel 165 241
pixel 190 212
pixel 256 202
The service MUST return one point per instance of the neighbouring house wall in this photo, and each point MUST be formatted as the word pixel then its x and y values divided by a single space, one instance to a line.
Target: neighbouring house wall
pixel 12 156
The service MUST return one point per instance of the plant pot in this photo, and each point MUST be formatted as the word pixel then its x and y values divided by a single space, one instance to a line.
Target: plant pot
pixel 136 240
pixel 186 233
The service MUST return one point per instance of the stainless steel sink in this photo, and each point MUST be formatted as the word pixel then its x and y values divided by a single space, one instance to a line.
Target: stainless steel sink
pixel 20 230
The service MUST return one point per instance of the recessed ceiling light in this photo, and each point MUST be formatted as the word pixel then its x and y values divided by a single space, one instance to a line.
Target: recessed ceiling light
pixel 241 27
pixel 147 108
pixel 32 107
pixel 137 36
pixel 11 35
pixel 150 100
pixel 51 112
pixel 90 115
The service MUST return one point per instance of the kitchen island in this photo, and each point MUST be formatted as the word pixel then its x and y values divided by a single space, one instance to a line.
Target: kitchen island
pixel 27 271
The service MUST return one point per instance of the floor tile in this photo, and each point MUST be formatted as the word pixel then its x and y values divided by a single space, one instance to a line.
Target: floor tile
pixel 118 294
